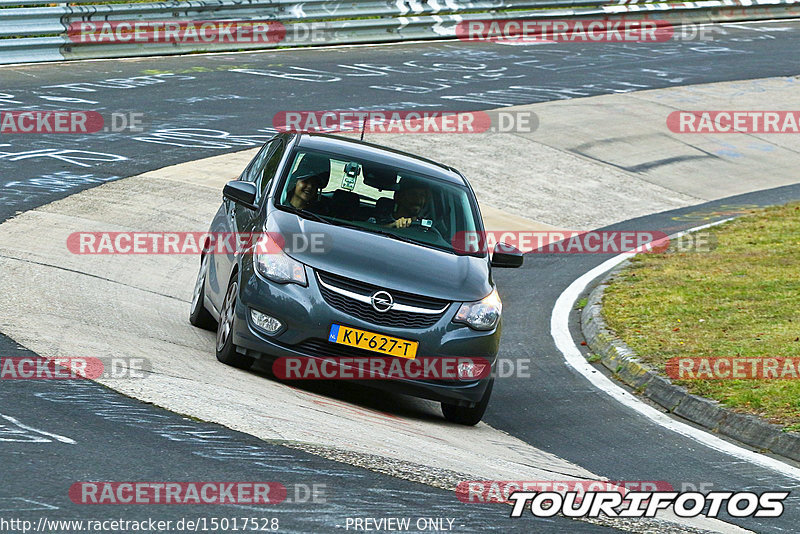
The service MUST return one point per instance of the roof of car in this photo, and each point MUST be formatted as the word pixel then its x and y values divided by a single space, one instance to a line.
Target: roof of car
pixel 356 149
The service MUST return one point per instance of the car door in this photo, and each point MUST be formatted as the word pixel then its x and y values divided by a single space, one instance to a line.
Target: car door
pixel 230 220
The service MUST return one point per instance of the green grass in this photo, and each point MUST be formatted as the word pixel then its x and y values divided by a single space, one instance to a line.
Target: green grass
pixel 740 299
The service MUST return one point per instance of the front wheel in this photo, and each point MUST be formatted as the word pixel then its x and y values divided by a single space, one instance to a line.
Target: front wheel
pixel 466 415
pixel 199 315
pixel 226 350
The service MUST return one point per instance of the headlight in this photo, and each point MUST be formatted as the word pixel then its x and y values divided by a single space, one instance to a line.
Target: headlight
pixel 275 265
pixel 483 314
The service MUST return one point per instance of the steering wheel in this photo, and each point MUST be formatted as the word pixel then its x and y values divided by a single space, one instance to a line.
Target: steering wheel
pixel 416 224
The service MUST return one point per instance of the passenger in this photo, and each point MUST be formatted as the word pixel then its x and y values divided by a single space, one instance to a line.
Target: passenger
pixel 305 183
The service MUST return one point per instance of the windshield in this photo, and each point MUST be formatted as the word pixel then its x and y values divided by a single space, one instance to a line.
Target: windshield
pixel 379 199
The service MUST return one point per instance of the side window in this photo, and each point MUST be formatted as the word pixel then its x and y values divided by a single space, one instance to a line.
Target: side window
pixel 270 167
pixel 251 172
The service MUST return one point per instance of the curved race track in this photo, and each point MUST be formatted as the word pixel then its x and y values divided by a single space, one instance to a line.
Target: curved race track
pixel 555 423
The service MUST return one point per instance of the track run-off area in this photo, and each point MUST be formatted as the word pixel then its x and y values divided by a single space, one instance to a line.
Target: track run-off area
pixel 601 157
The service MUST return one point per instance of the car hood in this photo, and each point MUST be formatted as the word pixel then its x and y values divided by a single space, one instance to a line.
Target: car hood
pixel 386 262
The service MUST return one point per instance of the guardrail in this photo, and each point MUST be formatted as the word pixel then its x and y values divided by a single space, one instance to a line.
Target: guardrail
pixel 39 30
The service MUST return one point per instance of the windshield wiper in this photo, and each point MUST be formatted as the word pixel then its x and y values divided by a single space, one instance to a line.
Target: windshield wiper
pixel 311 215
pixel 415 242
pixel 400 237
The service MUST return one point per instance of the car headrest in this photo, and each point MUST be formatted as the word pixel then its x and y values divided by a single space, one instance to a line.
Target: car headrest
pixel 384 205
pixel 344 204
pixel 409 182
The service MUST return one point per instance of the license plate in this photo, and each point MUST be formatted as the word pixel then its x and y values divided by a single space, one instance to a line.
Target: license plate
pixel 379 343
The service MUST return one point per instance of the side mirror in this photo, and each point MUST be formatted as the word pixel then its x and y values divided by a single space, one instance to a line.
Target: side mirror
pixel 506 256
pixel 243 193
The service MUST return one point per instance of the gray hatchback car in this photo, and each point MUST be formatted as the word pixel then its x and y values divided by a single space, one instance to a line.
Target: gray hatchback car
pixel 365 257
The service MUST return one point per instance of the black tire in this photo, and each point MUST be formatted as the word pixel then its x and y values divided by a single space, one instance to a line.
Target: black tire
pixel 469 416
pixel 226 350
pixel 199 316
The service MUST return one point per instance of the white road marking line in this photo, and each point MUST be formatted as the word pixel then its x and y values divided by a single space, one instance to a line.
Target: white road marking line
pixel 25 506
pixel 56 437
pixel 559 329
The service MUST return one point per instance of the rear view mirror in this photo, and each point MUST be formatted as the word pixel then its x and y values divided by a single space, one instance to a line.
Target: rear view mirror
pixel 352 168
pixel 506 256
pixel 243 193
pixel 379 177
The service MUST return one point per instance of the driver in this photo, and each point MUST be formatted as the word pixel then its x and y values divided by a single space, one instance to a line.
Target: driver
pixel 409 201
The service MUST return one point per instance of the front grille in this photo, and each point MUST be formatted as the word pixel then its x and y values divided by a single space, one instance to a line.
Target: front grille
pixel 325 349
pixel 365 312
pixel 400 297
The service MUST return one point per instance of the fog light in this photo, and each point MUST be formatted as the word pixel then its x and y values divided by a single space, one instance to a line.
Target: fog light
pixel 268 324
pixel 468 370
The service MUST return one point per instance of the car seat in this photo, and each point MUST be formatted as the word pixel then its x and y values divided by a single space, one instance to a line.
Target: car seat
pixel 345 204
pixel 383 208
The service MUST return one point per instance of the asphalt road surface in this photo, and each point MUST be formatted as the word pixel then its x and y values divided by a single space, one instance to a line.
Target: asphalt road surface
pixel 201 105
pixel 197 106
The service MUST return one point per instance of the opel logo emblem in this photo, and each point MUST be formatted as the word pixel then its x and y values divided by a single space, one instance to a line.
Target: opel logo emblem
pixel 382 301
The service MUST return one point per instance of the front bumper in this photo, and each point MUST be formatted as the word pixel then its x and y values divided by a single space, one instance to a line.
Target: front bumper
pixel 307 319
